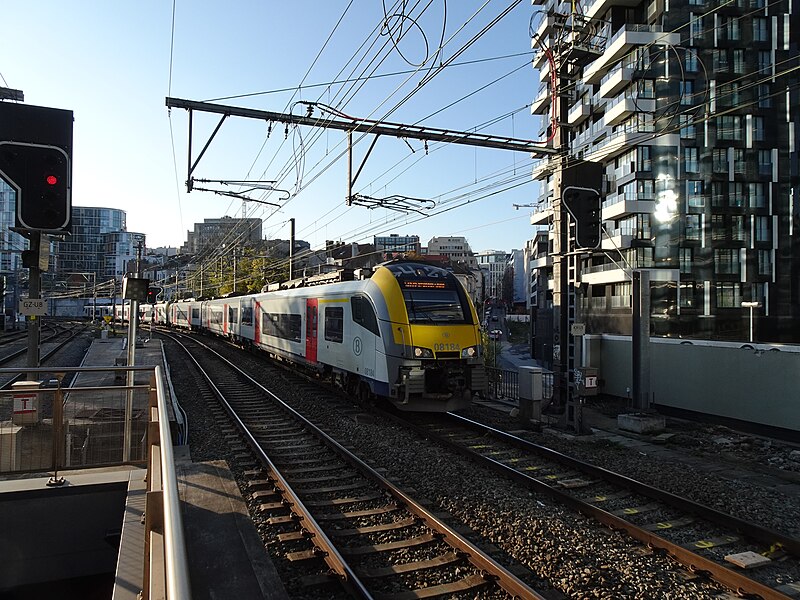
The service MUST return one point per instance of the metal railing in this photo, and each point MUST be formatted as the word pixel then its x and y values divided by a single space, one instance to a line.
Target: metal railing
pixel 46 426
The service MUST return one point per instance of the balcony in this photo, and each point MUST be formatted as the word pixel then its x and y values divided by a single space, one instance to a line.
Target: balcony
pixel 622 42
pixel 616 241
pixel 624 206
pixel 622 108
pixel 541 214
pixel 615 80
pixel 607 273
pixel 598 7
pixel 579 112
pixel 541 103
pixel 541 262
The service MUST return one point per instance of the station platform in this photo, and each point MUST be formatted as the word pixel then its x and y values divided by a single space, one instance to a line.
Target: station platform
pixel 85 538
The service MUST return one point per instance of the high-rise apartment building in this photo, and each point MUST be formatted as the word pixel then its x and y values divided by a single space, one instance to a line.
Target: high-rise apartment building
pixel 692 108
pixel 215 233
pixel 99 244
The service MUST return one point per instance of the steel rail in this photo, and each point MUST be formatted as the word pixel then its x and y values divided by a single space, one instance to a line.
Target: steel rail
pixel 332 556
pixel 503 578
pixel 696 563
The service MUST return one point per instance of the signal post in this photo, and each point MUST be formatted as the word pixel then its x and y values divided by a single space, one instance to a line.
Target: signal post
pixel 36 161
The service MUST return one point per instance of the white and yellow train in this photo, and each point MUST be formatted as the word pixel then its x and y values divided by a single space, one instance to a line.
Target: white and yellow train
pixel 408 332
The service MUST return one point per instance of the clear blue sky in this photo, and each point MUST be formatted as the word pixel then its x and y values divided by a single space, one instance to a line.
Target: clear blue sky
pixel 110 62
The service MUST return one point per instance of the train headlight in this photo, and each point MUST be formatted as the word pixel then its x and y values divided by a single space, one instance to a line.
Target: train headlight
pixel 471 352
pixel 420 352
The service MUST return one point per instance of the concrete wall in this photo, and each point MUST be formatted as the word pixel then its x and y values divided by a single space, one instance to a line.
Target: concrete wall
pixel 755 383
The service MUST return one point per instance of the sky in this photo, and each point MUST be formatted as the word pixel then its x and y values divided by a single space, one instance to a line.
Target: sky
pixel 113 63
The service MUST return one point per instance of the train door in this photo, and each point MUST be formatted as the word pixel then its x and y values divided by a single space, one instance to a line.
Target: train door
pixel 364 335
pixel 311 329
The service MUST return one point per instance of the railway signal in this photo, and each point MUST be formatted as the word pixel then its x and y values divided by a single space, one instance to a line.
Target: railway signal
pixel 584 206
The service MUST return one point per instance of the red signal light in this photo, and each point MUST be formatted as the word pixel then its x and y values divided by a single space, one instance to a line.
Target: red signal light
pixel 51 180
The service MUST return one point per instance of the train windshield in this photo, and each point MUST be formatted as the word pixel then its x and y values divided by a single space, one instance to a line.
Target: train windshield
pixel 434 306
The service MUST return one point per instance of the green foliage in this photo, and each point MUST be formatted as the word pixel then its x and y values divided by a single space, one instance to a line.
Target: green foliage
pixel 253 271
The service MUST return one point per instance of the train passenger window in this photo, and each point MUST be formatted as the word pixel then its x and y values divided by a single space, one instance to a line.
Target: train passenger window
pixel 364 314
pixel 216 317
pixel 286 326
pixel 334 324
pixel 195 313
pixel 247 315
pixel 233 315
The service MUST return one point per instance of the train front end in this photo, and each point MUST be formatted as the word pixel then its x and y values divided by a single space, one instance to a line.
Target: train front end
pixel 434 352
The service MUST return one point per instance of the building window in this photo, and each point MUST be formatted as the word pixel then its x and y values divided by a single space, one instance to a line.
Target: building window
pixel 764 262
pixel 762 229
pixel 726 261
pixel 765 162
pixel 645 189
pixel 764 61
pixel 643 158
pixel 739 161
pixel 718 232
pixel 694 193
pixel 686 256
pixel 760 30
pixel 720 160
pixel 719 194
pixel 764 98
pixel 737 228
pixel 691 61
pixel 757 197
pixel 690 162
pixel 687 294
pixel 758 128
pixel 695 26
pixel 621 295
pixel 692 225
pixel 686 92
pixel 728 295
pixel 736 194
pixel 729 127
pixel 739 63
pixel 719 61
pixel 688 129
pixel 733 28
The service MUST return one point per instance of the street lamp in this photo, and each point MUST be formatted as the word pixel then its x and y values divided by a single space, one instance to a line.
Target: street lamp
pixel 751 306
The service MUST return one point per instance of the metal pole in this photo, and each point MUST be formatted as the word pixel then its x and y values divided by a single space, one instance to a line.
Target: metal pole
pixel 751 323
pixel 34 293
pixel 133 318
pixel 291 249
pixel 234 269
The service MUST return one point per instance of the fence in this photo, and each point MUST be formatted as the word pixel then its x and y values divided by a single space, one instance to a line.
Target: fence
pixel 504 384
pixel 48 426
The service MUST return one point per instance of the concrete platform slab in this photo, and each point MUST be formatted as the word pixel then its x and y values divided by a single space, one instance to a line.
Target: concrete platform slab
pixel 226 556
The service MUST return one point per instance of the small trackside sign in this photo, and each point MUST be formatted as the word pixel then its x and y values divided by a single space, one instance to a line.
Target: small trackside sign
pixel 36 307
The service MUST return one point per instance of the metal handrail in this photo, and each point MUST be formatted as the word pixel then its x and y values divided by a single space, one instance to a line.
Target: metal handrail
pixel 176 569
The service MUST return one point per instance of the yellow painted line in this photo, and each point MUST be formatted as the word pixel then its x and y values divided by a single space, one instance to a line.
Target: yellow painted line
pixel 333 300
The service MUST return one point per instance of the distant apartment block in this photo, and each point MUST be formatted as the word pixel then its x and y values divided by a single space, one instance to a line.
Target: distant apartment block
pixel 396 243
pixel 215 233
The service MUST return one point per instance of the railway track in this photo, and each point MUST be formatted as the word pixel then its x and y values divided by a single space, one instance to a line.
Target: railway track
pixel 695 535
pixel 60 337
pixel 340 520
